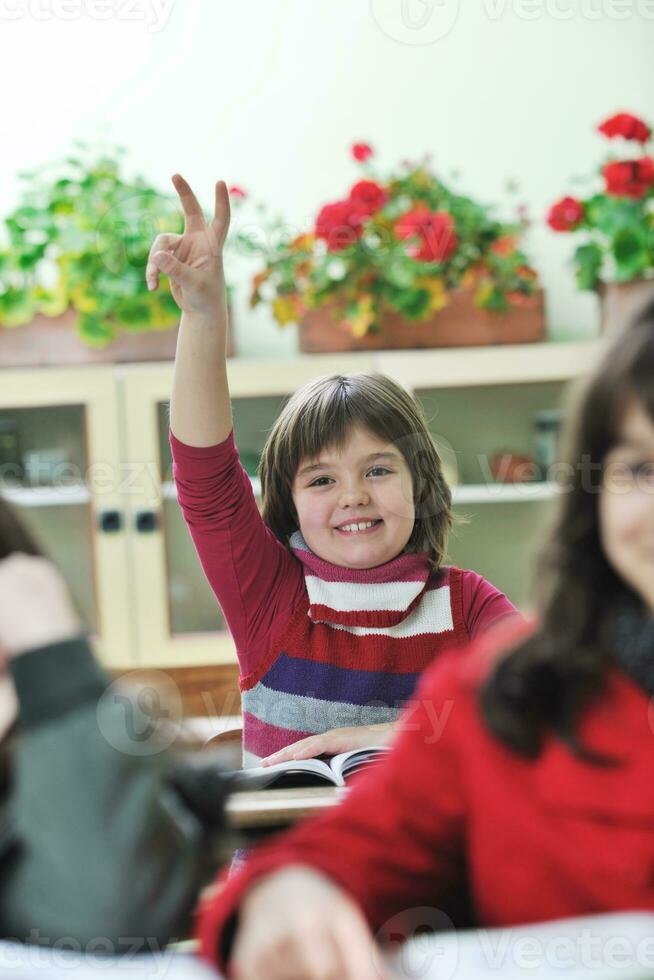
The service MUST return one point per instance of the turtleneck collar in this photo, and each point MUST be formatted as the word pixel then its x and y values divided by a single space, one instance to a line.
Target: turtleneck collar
pixel 373 597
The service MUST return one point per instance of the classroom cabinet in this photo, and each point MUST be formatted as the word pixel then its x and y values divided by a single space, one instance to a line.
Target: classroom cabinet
pixel 84 456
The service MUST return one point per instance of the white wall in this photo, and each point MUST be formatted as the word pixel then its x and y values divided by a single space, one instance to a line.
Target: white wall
pixel 270 93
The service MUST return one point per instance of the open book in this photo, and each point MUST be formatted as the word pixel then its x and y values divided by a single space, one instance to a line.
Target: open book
pixel 309 772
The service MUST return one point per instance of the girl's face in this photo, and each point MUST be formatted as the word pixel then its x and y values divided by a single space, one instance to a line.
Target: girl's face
pixel 626 506
pixel 355 506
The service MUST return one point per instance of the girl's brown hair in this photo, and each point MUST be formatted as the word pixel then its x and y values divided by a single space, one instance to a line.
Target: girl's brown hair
pixel 547 680
pixel 320 416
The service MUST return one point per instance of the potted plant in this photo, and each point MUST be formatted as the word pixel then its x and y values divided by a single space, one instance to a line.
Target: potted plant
pixel 616 221
pixel 401 261
pixel 72 286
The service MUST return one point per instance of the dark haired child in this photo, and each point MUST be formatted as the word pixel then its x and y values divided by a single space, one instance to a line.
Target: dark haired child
pixel 338 595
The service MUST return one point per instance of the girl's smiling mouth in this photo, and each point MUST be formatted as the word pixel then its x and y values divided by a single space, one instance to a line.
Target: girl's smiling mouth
pixel 359 527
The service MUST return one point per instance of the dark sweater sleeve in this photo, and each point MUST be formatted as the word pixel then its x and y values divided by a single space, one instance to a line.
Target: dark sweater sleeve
pixel 103 846
pixel 396 841
pixel 254 577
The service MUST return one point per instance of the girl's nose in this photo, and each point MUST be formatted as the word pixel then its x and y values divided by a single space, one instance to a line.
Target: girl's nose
pixel 354 496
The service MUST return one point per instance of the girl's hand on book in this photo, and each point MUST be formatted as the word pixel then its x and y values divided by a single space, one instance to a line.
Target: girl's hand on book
pixel 193 261
pixel 333 743
pixel 298 923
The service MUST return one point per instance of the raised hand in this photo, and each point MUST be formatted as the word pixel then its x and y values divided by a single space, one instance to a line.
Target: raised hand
pixel 193 261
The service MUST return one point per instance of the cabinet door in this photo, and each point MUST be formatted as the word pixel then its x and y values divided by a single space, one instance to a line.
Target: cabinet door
pixel 177 618
pixel 499 527
pixel 60 466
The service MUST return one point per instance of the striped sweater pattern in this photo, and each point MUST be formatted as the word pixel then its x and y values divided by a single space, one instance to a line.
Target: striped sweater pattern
pixel 353 651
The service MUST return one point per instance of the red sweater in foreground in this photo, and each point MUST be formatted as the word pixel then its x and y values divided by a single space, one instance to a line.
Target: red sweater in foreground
pixel 538 840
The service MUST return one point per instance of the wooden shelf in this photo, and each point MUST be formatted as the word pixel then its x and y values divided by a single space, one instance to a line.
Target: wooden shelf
pixel 452 367
pixel 46 496
pixel 503 493
pixel 499 365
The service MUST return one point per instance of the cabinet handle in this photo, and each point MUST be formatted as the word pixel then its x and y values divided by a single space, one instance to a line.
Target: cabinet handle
pixel 110 521
pixel 146 521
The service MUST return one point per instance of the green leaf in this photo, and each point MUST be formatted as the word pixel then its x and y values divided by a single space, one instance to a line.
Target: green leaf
pixel 95 330
pixel 631 253
pixel 17 306
pixel 413 303
pixel 134 313
pixel 400 272
pixel 588 259
pixel 496 301
pixel 29 255
pixel 610 214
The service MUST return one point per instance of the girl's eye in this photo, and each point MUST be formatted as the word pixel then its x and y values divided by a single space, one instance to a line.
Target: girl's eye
pixel 375 471
pixel 642 471
pixel 636 471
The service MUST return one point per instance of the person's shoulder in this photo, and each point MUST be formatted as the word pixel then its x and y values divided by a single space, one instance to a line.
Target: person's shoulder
pixel 471 580
pixel 475 584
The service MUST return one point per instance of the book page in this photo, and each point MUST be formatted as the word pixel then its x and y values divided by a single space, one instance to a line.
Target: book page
pixel 347 764
pixel 297 772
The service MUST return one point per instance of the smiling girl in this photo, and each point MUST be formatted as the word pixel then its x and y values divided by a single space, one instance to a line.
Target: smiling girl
pixel 336 595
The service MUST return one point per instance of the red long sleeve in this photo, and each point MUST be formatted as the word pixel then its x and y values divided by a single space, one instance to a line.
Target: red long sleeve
pixel 392 844
pixel 537 839
pixel 256 580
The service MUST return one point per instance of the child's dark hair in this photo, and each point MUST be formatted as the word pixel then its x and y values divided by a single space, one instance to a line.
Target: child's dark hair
pixel 320 415
pixel 546 681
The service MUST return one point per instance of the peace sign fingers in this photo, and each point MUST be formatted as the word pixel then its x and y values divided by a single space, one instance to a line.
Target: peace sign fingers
pixel 193 216
pixel 221 215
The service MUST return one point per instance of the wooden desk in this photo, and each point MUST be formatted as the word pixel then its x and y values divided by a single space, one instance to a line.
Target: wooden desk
pixel 267 808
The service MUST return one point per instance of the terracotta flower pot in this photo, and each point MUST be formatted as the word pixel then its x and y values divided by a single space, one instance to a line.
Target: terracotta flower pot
pixel 622 301
pixel 459 324
pixel 47 341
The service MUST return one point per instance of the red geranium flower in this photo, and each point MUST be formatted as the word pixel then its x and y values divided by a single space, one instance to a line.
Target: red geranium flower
pixel 629 178
pixel 339 224
pixel 437 238
pixel 504 246
pixel 627 126
pixel 367 196
pixel 236 191
pixel 362 152
pixel 566 214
